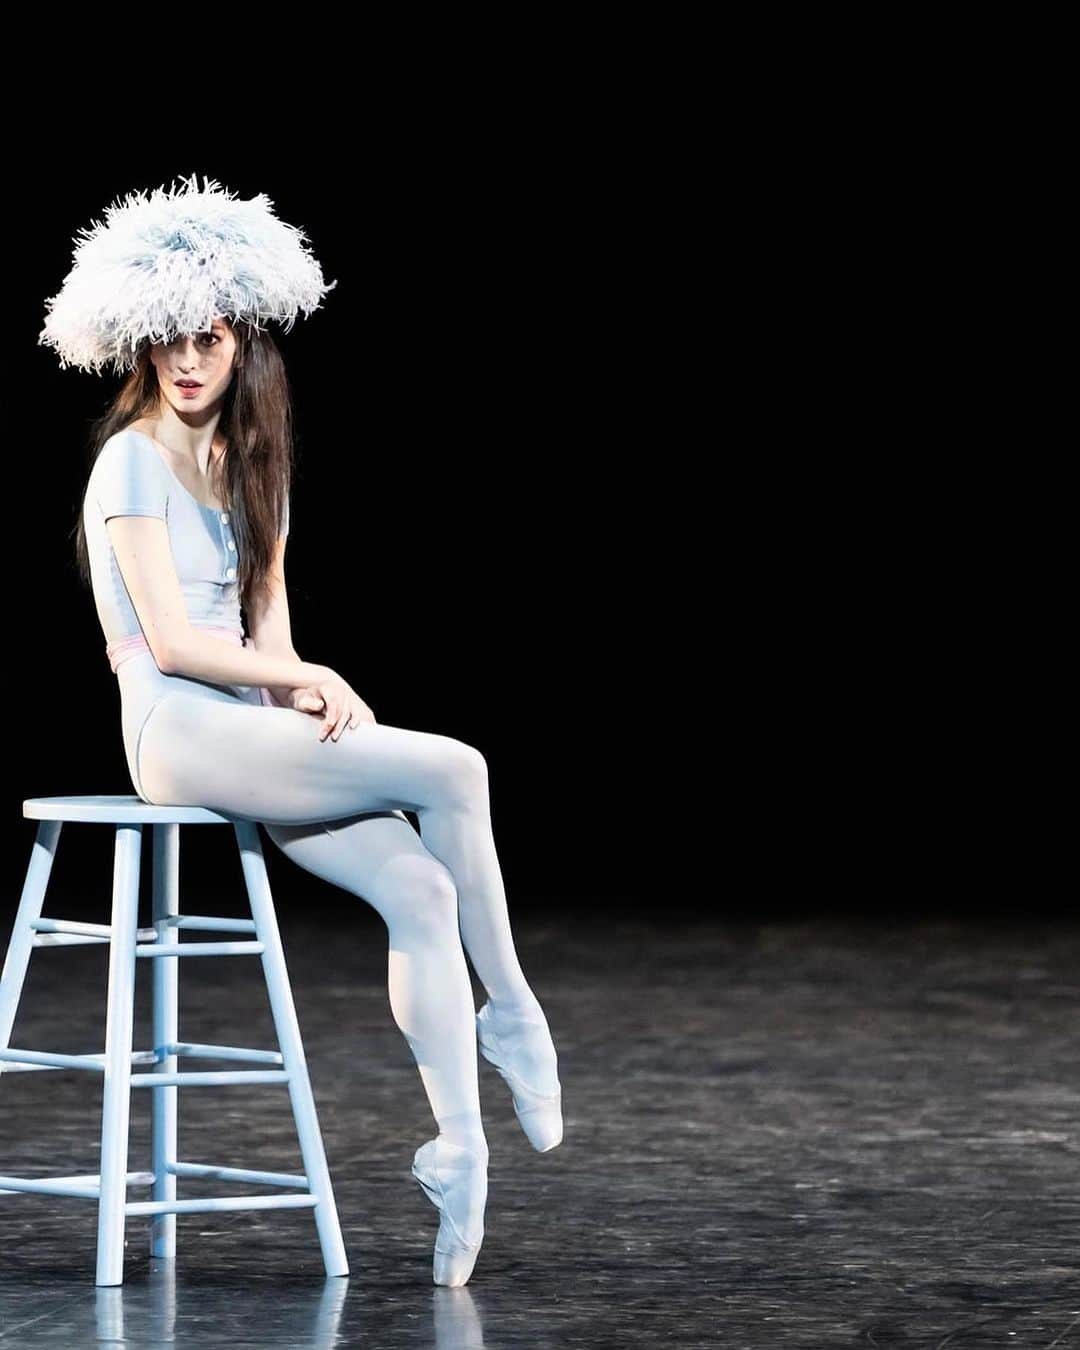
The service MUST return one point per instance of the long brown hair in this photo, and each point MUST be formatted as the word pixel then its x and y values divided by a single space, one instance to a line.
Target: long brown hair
pixel 253 478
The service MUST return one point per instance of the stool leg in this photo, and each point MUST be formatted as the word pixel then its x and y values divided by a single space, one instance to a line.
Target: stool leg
pixel 21 943
pixel 291 1047
pixel 166 980
pixel 116 1098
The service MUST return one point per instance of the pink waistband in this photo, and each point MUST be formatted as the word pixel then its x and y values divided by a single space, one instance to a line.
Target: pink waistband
pixel 122 648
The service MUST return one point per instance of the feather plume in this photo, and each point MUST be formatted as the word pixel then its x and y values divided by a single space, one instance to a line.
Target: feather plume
pixel 163 265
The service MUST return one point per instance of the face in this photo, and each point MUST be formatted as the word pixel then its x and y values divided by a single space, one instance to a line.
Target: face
pixel 205 358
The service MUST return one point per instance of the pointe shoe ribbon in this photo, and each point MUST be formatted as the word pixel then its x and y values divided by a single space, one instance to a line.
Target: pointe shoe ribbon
pixel 539 1113
pixel 455 1181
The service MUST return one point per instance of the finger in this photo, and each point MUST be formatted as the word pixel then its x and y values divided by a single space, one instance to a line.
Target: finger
pixel 342 722
pixel 332 709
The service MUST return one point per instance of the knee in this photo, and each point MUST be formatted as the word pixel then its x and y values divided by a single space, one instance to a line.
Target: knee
pixel 468 772
pixel 421 893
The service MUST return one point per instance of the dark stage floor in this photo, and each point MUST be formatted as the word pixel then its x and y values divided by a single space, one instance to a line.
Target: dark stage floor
pixel 817 1136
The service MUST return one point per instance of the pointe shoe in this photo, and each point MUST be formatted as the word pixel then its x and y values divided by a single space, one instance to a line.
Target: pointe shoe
pixel 539 1113
pixel 455 1181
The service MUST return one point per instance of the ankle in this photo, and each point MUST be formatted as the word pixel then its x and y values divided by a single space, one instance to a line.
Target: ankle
pixel 467 1133
pixel 475 1144
pixel 523 1007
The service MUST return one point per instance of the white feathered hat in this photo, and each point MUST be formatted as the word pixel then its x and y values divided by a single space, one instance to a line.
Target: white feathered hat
pixel 164 266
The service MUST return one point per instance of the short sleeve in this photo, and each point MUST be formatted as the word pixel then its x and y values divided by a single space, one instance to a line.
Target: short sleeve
pixel 129 478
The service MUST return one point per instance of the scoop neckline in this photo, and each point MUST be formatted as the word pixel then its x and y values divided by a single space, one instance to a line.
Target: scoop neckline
pixel 214 510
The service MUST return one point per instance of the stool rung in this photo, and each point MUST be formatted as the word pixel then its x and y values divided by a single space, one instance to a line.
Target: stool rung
pixel 217 1202
pixel 222 1052
pixel 209 922
pixel 28 1060
pixel 71 932
pixel 84 1187
pixel 200 949
pixel 213 1078
pixel 190 1169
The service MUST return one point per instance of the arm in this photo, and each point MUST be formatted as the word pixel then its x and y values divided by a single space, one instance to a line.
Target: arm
pixel 144 556
pixel 270 627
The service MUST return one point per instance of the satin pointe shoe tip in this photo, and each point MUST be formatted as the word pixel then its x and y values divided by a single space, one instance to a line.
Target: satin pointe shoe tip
pixel 455 1181
pixel 539 1113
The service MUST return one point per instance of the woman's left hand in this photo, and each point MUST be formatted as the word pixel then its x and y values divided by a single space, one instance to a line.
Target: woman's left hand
pixel 351 710
pixel 307 699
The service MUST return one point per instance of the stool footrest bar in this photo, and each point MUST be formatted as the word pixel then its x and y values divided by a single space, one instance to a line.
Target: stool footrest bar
pixel 210 1203
pixel 66 940
pixel 213 1078
pixel 222 1052
pixel 190 1169
pixel 200 949
pixel 85 1186
pixel 26 1060
pixel 98 932
pixel 209 922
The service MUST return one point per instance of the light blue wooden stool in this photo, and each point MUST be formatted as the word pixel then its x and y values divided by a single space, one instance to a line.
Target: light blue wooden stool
pixel 161 943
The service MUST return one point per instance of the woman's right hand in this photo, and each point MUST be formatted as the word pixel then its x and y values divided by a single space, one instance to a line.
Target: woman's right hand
pixel 304 699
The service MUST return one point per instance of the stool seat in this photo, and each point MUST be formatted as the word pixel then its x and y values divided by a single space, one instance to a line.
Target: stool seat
pixel 129 809
pixel 161 945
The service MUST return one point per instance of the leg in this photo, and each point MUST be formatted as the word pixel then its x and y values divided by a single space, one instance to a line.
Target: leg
pixel 119 1023
pixel 291 1049
pixel 165 981
pixel 267 764
pixel 21 942
pixel 380 858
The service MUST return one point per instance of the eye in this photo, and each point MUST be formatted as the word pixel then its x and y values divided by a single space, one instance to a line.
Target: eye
pixel 209 338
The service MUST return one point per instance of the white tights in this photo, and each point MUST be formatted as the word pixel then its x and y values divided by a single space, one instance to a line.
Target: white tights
pixel 440 893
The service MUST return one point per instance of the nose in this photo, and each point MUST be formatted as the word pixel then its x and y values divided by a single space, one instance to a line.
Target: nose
pixel 188 355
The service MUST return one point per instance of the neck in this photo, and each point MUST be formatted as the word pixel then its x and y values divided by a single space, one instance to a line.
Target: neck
pixel 199 443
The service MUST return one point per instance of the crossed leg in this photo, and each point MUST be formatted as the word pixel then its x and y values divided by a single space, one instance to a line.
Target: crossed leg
pixel 381 859
pixel 335 808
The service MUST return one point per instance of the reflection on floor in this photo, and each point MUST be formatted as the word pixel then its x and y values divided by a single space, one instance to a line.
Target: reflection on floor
pixel 819 1135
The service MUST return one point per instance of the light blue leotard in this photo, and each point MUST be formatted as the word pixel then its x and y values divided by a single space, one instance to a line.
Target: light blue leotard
pixel 130 477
